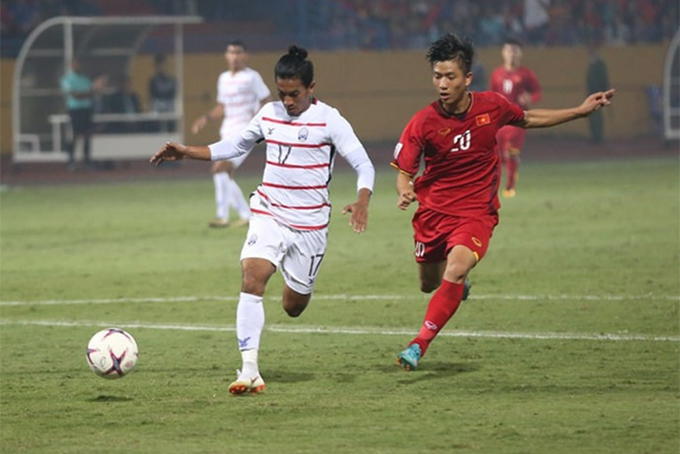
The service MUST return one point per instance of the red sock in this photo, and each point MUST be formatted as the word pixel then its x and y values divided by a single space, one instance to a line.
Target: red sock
pixel 512 169
pixel 506 164
pixel 441 308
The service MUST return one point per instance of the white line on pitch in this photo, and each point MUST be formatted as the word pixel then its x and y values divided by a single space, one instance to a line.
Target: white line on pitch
pixel 189 299
pixel 359 331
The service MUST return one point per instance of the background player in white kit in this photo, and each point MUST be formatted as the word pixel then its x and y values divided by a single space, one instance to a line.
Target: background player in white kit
pixel 240 94
pixel 291 207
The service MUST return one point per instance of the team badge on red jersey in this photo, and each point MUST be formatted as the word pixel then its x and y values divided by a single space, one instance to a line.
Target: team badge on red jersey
pixel 482 120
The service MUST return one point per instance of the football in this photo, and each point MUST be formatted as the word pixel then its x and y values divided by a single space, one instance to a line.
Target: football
pixel 112 353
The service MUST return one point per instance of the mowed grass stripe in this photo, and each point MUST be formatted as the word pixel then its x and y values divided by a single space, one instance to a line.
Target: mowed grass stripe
pixel 358 331
pixel 181 299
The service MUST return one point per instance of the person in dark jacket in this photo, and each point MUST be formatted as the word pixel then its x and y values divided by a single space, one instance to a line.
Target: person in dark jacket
pixel 597 79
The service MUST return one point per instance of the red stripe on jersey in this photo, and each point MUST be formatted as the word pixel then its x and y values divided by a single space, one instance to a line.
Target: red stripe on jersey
pixel 266 213
pixel 282 186
pixel 290 207
pixel 292 123
pixel 308 227
pixel 295 226
pixel 300 145
pixel 293 166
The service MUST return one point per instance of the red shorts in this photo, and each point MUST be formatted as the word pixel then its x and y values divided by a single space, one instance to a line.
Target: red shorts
pixel 435 234
pixel 510 138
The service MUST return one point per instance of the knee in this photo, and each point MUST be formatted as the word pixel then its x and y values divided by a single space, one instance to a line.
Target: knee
pixel 294 303
pixel 428 287
pixel 252 286
pixel 294 312
pixel 456 274
pixel 255 274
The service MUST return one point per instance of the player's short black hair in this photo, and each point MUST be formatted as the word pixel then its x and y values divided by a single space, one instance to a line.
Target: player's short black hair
pixel 512 42
pixel 451 47
pixel 238 43
pixel 294 65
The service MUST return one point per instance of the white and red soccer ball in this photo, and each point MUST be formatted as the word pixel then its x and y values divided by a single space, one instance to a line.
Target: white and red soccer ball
pixel 112 353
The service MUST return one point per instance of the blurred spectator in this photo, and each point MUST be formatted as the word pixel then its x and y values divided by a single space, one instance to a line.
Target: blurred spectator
pixel 390 24
pixel 536 19
pixel 123 101
pixel 162 91
pixel 512 18
pixel 560 28
pixel 80 90
pixel 7 25
pixel 491 26
pixel 617 31
pixel 597 79
pixel 25 15
pixel 52 8
pixel 82 7
pixel 479 78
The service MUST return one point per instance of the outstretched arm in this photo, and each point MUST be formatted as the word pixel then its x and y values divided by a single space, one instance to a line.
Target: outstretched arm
pixel 544 118
pixel 172 151
pixel 229 148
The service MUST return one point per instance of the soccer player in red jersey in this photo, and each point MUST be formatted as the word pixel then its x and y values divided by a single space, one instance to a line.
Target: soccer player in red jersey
pixel 520 86
pixel 457 192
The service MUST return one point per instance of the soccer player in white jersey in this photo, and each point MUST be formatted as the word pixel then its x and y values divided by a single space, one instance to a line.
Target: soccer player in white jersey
pixel 240 94
pixel 291 207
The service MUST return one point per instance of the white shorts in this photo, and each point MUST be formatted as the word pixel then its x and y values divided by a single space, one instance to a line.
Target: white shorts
pixel 297 253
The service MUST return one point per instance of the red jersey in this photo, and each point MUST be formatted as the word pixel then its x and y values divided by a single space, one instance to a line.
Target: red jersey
pixel 512 84
pixel 462 170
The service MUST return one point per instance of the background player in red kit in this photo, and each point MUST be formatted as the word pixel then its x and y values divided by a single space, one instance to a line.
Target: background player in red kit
pixel 457 192
pixel 520 86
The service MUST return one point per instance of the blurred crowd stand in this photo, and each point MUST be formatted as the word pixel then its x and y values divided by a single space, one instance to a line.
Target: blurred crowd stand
pixel 384 24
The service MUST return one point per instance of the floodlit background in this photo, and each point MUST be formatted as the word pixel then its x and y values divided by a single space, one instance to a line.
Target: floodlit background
pixel 369 58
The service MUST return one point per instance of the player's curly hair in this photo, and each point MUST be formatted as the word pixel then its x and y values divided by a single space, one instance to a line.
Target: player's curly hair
pixel 452 48
pixel 294 65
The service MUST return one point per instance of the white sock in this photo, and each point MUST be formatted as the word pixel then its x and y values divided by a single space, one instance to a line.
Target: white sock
pixel 237 200
pixel 249 368
pixel 249 325
pixel 222 190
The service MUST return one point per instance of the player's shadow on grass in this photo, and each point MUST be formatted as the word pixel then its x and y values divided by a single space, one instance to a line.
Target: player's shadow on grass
pixel 433 370
pixel 448 368
pixel 106 398
pixel 287 376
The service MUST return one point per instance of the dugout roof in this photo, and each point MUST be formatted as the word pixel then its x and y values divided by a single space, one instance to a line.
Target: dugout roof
pixel 107 44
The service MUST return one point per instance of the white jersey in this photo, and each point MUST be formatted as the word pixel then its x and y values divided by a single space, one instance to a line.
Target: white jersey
pixel 240 93
pixel 300 155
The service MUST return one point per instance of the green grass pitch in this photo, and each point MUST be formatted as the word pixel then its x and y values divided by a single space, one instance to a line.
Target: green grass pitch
pixel 569 342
